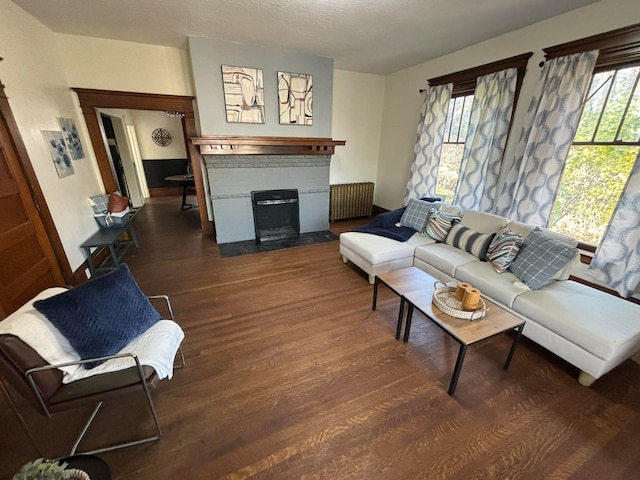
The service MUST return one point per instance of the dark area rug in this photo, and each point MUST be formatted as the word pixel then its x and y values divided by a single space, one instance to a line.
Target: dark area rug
pixel 246 247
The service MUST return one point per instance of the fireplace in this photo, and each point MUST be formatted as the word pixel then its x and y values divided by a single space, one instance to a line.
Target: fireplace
pixel 276 215
pixel 238 166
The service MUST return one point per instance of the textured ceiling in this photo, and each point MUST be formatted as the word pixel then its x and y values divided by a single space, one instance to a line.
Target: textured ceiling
pixel 374 36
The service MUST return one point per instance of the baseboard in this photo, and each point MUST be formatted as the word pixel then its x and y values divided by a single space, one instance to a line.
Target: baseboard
pixel 165 191
pixel 376 210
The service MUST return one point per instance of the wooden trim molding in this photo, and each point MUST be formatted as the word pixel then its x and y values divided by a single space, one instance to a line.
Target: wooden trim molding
pixel 256 145
pixel 44 213
pixel 91 100
pixel 464 81
pixel 617 47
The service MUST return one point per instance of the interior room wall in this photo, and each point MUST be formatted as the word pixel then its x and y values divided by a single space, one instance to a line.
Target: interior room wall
pixel 36 85
pixel 402 102
pixel 207 58
pixel 358 99
pixel 146 122
pixel 125 66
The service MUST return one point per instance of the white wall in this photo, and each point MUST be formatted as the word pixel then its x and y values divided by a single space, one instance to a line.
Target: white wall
pixel 125 66
pixel 38 93
pixel 146 122
pixel 402 102
pixel 357 118
pixel 38 70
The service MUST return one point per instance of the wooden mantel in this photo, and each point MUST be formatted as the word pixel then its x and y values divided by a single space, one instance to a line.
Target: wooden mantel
pixel 252 145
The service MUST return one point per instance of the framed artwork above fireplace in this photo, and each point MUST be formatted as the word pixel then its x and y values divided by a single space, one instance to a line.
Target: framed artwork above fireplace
pixel 295 98
pixel 243 94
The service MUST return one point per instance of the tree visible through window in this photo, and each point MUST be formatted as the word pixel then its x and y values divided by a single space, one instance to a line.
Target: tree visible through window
pixel 604 150
pixel 455 135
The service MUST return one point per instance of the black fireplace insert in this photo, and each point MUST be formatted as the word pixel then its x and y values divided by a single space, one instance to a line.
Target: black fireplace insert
pixel 276 214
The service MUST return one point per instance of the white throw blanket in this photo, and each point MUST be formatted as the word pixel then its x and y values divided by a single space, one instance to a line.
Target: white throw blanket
pixel 156 347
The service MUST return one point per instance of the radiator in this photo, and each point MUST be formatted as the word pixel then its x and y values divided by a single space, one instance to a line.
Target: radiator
pixel 351 200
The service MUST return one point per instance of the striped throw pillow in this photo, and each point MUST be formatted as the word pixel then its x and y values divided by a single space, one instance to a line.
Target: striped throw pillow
pixel 504 248
pixel 440 222
pixel 469 240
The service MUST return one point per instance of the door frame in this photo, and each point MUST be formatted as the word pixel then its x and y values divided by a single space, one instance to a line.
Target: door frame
pixel 91 100
pixel 62 266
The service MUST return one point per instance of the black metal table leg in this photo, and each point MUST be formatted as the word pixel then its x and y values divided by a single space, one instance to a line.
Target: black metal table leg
pixel 513 346
pixel 375 293
pixel 407 324
pixel 400 316
pixel 456 371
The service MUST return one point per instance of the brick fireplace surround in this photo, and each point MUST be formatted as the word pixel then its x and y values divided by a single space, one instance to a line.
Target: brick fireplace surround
pixel 236 166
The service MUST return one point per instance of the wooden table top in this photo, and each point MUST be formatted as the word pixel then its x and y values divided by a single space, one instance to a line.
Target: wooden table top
pixel 496 320
pixel 407 280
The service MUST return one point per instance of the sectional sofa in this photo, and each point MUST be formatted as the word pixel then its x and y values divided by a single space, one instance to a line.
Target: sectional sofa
pixel 591 329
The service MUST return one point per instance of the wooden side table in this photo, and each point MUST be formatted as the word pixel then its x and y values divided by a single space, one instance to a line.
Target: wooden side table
pixel 187 182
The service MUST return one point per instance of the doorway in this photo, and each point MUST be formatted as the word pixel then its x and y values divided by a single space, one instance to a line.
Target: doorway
pixel 92 100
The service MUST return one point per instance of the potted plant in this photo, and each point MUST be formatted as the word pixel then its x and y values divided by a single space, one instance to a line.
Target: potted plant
pixel 42 469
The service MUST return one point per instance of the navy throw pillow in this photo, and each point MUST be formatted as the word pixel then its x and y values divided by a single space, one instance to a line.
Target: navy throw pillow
pixel 101 316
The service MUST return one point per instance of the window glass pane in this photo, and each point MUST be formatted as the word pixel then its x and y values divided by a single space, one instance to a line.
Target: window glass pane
pixel 621 90
pixel 630 131
pixel 457 117
pixel 464 121
pixel 596 97
pixel 593 179
pixel 449 170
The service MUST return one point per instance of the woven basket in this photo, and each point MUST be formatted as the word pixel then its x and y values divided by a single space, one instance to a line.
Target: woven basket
pixel 444 298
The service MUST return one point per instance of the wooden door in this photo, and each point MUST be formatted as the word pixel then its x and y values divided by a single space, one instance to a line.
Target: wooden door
pixel 27 260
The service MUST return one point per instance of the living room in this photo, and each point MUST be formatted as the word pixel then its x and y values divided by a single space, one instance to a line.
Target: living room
pixel 375 113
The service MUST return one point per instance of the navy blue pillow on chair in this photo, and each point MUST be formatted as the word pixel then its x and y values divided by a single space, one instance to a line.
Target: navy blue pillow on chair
pixel 101 316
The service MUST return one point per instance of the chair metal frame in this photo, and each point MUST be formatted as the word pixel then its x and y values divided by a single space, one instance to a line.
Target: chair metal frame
pixel 142 378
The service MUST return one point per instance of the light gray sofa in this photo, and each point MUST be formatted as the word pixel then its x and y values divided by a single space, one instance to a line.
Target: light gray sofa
pixel 589 328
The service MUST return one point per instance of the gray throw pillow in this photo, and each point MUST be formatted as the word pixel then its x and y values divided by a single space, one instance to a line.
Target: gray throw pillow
pixel 540 258
pixel 416 214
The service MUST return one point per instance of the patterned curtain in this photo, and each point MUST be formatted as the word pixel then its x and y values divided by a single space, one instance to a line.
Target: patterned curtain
pixel 486 138
pixel 549 127
pixel 617 259
pixel 424 170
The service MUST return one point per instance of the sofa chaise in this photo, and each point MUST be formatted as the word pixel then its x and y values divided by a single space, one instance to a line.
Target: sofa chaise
pixel 591 329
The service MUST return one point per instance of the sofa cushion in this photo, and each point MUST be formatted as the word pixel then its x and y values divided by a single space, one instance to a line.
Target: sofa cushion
pixel 418 240
pixel 441 220
pixel 416 214
pixel 503 288
pixel 482 222
pixel 596 321
pixel 376 249
pixel 504 248
pixel 101 316
pixel 469 240
pixel 444 257
pixel 540 258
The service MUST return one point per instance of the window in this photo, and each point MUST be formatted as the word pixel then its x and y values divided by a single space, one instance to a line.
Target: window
pixel 453 146
pixel 460 105
pixel 607 141
pixel 601 158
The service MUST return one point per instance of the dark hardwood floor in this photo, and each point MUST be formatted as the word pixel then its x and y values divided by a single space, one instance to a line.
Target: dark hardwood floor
pixel 291 375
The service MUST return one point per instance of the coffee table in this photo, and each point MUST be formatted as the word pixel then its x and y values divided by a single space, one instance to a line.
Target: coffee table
pixel 415 288
pixel 401 282
pixel 465 332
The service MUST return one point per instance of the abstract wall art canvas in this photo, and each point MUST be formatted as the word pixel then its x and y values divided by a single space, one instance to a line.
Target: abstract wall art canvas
pixel 295 95
pixel 71 137
pixel 59 152
pixel 243 94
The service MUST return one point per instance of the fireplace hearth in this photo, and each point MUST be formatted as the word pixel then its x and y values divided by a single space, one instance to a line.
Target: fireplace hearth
pixel 276 214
